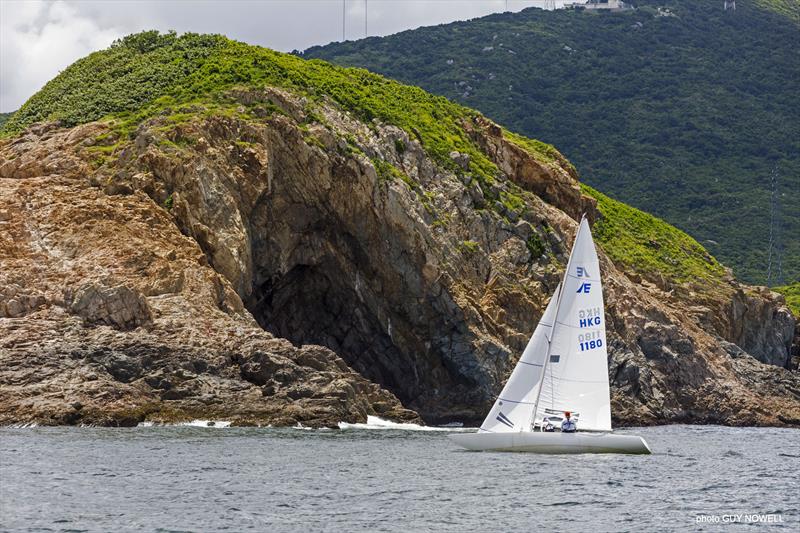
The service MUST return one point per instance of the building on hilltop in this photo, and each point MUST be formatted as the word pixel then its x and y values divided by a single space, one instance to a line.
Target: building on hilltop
pixel 610 5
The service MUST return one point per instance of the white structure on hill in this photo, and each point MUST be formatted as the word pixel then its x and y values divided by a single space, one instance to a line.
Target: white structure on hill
pixel 610 5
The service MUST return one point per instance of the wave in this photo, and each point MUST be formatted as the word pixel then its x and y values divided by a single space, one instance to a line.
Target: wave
pixel 191 423
pixel 21 425
pixel 307 428
pixel 374 422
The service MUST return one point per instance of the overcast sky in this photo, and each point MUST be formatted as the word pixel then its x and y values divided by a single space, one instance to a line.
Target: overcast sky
pixel 38 39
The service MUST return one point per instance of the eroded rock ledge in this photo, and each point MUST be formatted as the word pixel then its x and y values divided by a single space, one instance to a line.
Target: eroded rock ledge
pixel 273 272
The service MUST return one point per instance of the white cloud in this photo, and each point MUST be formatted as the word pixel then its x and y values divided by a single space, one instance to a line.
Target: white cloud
pixel 39 39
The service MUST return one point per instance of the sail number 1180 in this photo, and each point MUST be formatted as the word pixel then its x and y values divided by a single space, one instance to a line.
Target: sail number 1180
pixel 591 345
pixel 590 341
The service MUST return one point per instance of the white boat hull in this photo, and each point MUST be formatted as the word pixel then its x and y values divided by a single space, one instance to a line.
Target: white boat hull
pixel 542 442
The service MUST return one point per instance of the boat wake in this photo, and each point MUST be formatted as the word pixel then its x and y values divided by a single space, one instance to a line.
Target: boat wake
pixel 374 422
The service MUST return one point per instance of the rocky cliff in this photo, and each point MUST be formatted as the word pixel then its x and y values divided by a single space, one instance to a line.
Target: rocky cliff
pixel 110 315
pixel 278 259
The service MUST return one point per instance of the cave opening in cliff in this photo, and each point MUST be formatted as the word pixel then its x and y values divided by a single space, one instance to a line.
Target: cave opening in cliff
pixel 311 304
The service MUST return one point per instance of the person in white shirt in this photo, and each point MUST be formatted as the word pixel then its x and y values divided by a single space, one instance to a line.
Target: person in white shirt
pixel 547 425
pixel 568 425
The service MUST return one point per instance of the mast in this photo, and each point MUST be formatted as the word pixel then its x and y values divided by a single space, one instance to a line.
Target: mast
pixel 553 329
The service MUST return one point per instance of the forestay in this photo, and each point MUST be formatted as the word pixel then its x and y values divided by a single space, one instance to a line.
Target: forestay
pixel 513 409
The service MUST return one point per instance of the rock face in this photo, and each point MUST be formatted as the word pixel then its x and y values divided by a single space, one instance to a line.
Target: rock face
pixel 122 307
pixel 760 324
pixel 274 271
pixel 111 316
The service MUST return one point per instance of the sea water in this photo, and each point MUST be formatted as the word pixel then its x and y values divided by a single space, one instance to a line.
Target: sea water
pixel 385 477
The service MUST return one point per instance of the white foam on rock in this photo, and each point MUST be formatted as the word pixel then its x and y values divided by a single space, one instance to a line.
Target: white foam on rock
pixel 192 423
pixel 207 423
pixel 374 422
pixel 22 425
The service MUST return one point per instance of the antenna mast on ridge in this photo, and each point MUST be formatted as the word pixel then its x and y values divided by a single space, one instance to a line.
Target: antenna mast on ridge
pixel 774 232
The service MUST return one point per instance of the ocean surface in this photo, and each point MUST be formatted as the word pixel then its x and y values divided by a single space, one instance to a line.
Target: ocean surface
pixel 380 477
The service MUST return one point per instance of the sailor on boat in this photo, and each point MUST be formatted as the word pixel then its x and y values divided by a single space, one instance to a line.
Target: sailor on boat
pixel 548 426
pixel 568 425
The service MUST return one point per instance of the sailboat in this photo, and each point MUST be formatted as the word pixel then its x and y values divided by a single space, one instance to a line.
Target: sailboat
pixel 563 368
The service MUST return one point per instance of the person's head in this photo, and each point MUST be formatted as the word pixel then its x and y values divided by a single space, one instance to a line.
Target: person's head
pixel 567 414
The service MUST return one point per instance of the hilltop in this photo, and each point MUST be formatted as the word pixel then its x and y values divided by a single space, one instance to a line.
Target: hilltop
pixel 194 227
pixel 677 108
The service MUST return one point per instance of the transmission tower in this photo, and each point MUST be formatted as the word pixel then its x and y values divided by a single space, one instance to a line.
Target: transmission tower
pixel 550 5
pixel 775 246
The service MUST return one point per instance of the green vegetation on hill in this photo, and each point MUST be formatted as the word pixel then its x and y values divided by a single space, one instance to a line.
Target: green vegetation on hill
pixel 650 245
pixel 792 295
pixel 141 74
pixel 788 8
pixel 150 74
pixel 684 115
pixel 4 118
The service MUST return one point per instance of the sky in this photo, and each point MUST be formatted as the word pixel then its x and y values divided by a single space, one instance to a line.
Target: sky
pixel 39 38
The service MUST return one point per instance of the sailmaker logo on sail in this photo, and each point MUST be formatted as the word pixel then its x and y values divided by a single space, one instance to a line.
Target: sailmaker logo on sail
pixel 504 420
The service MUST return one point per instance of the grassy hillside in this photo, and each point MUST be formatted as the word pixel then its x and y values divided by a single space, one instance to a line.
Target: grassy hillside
pixel 788 8
pixel 4 118
pixel 144 73
pixel 649 245
pixel 147 74
pixel 792 294
pixel 683 116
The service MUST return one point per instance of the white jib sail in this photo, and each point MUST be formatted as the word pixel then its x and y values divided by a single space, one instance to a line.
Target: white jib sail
pixel 513 409
pixel 576 373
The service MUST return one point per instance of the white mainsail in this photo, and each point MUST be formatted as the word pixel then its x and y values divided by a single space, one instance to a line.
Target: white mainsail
pixel 576 371
pixel 564 367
